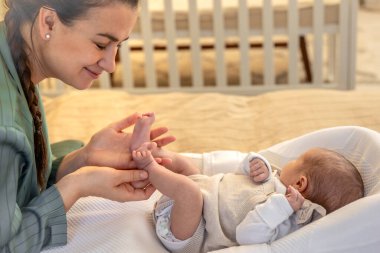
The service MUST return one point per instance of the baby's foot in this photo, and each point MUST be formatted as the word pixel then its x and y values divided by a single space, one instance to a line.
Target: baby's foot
pixel 143 155
pixel 141 131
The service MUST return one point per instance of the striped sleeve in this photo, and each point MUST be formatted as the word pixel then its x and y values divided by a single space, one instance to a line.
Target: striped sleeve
pixel 30 221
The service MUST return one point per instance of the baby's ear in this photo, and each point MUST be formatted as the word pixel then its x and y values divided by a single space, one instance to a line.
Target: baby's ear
pixel 301 184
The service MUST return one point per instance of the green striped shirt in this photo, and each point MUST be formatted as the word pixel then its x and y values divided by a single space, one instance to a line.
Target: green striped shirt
pixel 30 220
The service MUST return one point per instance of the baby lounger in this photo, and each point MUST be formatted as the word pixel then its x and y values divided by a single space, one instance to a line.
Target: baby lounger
pixel 98 225
pixel 353 228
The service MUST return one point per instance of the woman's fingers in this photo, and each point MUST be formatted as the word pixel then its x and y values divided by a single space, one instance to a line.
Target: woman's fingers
pixel 127 176
pixel 130 193
pixel 164 141
pixel 157 132
pixel 154 133
pixel 126 122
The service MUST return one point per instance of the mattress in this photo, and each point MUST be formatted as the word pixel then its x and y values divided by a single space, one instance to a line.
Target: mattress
pixel 211 121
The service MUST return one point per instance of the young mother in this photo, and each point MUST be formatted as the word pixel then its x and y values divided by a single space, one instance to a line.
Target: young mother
pixel 74 41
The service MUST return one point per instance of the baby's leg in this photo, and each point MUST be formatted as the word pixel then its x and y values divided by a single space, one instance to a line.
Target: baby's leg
pixel 141 131
pixel 179 164
pixel 188 201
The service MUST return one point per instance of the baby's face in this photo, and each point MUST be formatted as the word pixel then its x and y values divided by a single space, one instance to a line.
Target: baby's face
pixel 290 173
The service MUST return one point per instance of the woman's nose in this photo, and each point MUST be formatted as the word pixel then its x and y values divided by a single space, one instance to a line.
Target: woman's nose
pixel 108 60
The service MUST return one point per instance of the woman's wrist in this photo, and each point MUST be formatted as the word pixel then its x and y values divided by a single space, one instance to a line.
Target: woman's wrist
pixel 69 188
pixel 72 162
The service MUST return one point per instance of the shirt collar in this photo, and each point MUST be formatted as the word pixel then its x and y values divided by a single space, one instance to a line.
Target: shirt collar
pixel 7 56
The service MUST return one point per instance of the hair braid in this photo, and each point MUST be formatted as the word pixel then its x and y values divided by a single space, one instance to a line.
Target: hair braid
pixel 22 12
pixel 17 46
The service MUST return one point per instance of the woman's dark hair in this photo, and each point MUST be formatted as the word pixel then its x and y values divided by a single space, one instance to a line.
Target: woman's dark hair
pixel 23 12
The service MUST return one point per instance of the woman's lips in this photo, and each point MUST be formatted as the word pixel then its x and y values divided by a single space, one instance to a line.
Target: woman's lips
pixel 94 75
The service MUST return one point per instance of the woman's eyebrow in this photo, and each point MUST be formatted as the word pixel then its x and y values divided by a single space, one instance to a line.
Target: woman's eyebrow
pixel 111 37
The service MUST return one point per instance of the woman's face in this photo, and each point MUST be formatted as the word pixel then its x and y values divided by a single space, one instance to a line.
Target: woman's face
pixel 79 53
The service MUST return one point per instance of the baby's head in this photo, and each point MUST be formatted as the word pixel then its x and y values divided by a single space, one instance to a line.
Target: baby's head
pixel 324 177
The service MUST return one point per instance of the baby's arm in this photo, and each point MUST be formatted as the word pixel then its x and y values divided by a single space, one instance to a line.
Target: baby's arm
pixel 267 222
pixel 256 166
pixel 294 198
pixel 258 171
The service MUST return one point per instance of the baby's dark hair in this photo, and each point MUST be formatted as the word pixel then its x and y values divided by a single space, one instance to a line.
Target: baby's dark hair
pixel 333 181
pixel 22 12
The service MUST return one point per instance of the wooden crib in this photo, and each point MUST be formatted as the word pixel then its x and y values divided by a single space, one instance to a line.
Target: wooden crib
pixel 232 46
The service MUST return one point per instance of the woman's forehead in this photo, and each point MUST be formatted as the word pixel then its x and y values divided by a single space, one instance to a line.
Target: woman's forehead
pixel 116 19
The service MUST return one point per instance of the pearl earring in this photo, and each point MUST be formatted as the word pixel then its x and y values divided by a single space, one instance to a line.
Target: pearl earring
pixel 47 36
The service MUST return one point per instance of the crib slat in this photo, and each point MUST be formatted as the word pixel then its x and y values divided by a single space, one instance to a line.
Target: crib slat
pixel 293 43
pixel 147 36
pixel 268 43
pixel 105 80
pixel 219 44
pixel 343 43
pixel 318 26
pixel 196 60
pixel 172 48
pixel 126 62
pixel 331 57
pixel 52 87
pixel 245 77
pixel 351 79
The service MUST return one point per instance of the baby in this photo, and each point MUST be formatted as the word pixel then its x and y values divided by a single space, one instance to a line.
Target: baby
pixel 200 213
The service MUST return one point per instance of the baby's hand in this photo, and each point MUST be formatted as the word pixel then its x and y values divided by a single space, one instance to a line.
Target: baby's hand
pixel 294 197
pixel 258 171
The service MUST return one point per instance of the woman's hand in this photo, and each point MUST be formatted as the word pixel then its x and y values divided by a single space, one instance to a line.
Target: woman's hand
pixel 110 146
pixel 103 182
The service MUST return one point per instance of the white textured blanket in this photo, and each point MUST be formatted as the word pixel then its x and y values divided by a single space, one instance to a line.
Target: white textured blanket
pixel 98 225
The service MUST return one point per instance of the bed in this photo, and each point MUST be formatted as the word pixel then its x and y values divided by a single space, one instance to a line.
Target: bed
pixel 215 129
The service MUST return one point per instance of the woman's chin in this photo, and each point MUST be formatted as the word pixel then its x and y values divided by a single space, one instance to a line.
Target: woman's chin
pixel 84 85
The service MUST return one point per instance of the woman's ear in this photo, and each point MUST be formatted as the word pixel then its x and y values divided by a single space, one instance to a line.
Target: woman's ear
pixel 301 184
pixel 46 21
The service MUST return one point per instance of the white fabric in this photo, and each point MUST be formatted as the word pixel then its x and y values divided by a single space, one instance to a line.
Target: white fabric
pixel 353 228
pixel 265 223
pixel 244 165
pixel 98 225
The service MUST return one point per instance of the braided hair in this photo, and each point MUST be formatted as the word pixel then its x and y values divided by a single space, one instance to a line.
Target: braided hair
pixel 22 12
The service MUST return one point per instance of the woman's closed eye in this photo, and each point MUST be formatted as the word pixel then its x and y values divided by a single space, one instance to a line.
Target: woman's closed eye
pixel 101 46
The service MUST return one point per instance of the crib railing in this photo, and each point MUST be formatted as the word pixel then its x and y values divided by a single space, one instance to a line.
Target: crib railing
pixel 322 32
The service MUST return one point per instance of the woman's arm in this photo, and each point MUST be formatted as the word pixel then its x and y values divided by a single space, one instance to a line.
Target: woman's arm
pixel 30 220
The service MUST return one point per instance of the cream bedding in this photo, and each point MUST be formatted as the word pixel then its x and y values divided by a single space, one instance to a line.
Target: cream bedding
pixel 207 122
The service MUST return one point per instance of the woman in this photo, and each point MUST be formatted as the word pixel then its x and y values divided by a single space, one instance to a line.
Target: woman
pixel 73 41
